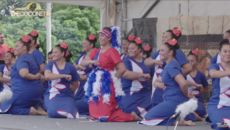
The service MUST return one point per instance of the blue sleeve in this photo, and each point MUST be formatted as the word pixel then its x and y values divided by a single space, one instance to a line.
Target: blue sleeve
pixel 204 80
pixel 180 57
pixel 76 62
pixel 213 66
pixel 152 70
pixel 1 68
pixel 22 64
pixel 74 74
pixel 128 64
pixel 49 66
pixel 214 59
pixel 154 56
pixel 39 58
pixel 173 69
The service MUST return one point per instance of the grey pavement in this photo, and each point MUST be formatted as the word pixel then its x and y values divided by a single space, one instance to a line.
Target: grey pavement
pixel 19 122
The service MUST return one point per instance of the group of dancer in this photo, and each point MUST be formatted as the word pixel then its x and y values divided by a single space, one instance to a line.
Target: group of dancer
pixel 133 86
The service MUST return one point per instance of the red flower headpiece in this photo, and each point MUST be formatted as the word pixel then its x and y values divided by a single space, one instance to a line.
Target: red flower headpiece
pixel 195 52
pixel 138 40
pixel 172 42
pixel 25 38
pixel 131 37
pixel 33 33
pixel 66 53
pixel 36 44
pixel 147 47
pixel 63 45
pixel 91 37
pixel 176 31
pixel 12 50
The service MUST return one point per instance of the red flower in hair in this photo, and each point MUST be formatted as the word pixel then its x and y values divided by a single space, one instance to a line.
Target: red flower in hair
pixel 66 53
pixel 25 38
pixel 195 52
pixel 33 33
pixel 172 42
pixel 91 37
pixel 12 50
pixel 63 45
pixel 36 44
pixel 176 31
pixel 131 37
pixel 147 47
pixel 138 40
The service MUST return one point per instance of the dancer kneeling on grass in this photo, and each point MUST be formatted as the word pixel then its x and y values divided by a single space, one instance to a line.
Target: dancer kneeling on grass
pixel 5 69
pixel 219 104
pixel 175 90
pixel 103 87
pixel 135 81
pixel 25 83
pixel 59 100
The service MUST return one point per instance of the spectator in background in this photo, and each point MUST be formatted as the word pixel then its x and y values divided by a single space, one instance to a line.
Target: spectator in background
pixel 3 48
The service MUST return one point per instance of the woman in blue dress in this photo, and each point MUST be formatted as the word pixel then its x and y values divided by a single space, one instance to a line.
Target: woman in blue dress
pixel 175 89
pixel 5 69
pixel 197 84
pixel 25 82
pixel 125 45
pixel 219 104
pixel 59 100
pixel 157 93
pixel 216 59
pixel 135 82
pixel 88 46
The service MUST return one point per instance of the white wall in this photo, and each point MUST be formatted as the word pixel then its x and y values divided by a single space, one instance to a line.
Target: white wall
pixel 166 8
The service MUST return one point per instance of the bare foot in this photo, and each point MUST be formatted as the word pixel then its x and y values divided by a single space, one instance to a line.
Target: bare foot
pixel 135 117
pixel 198 118
pixel 33 111
pixel 182 122
pixel 42 111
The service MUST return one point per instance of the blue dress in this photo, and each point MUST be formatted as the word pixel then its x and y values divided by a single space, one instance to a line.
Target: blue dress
pixel 199 79
pixel 157 94
pixel 216 59
pixel 82 105
pixel 219 104
pixel 5 85
pixel 137 92
pixel 59 100
pixel 79 93
pixel 123 56
pixel 173 95
pixel 26 93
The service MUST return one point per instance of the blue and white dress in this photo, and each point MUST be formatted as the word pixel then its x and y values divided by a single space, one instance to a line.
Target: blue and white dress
pixel 216 59
pixel 123 56
pixel 219 104
pixel 26 93
pixel 79 93
pixel 199 79
pixel 173 95
pixel 59 100
pixel 5 85
pixel 138 91
pixel 157 94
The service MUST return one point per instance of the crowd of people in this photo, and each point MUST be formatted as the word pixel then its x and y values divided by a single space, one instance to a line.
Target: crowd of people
pixel 109 87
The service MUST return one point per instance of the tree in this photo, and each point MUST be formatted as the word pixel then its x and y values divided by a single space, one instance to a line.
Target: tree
pixel 70 24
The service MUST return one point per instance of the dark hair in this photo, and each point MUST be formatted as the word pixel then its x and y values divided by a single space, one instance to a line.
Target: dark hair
pixel 174 48
pixel 147 52
pixel 190 53
pixel 92 41
pixel 173 35
pixel 222 43
pixel 34 38
pixel 228 31
pixel 138 45
pixel 27 44
pixel 12 54
pixel 1 33
pixel 37 47
pixel 67 58
pixel 50 52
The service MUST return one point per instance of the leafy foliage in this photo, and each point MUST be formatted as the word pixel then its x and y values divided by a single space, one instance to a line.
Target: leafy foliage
pixel 70 24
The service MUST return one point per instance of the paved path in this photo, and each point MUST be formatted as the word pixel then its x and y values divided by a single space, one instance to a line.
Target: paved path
pixel 13 122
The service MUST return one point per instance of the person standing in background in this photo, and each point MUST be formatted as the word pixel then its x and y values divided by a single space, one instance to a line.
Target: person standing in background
pixel 3 48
